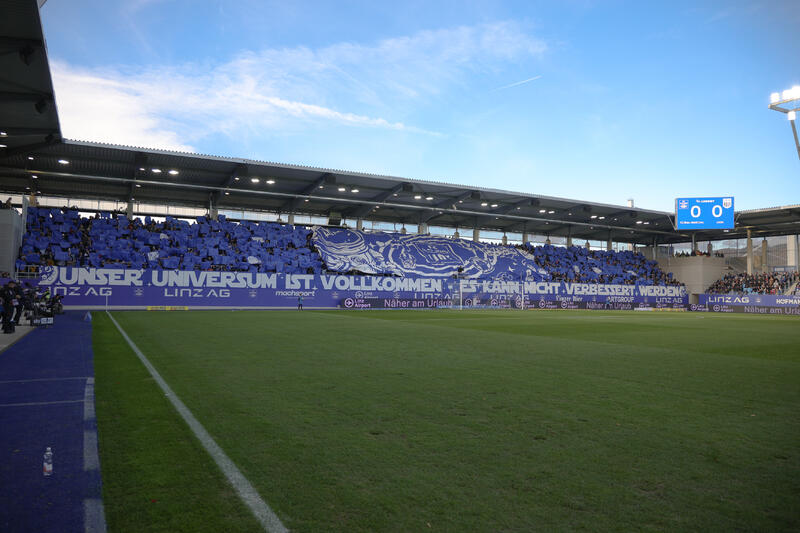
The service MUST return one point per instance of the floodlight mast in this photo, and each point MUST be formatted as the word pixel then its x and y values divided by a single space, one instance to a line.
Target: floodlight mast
pixel 779 101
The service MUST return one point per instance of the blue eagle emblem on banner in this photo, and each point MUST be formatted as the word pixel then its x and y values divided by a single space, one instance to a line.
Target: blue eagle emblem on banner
pixel 345 250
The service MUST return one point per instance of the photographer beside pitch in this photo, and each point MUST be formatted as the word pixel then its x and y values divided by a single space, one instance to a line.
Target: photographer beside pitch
pixel 11 297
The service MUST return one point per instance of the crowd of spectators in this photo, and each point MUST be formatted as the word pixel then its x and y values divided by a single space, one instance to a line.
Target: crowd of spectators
pixel 698 253
pixel 578 265
pixel 769 283
pixel 61 237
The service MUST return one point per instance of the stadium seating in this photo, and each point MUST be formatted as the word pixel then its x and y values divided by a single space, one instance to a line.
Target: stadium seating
pixel 769 283
pixel 579 265
pixel 61 237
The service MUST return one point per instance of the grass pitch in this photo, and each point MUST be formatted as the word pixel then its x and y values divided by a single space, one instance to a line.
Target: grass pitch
pixel 455 421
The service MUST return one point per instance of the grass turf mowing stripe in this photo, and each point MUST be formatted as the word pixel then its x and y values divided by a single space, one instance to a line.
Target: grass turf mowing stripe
pixel 248 494
pixel 157 478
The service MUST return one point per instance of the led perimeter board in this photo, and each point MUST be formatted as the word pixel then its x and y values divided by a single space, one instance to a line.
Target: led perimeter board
pixel 704 213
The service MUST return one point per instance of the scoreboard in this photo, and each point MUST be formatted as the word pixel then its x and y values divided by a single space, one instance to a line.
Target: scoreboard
pixel 704 213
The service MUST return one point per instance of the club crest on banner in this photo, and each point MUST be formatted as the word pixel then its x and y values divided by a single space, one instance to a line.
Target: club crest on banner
pixel 49 275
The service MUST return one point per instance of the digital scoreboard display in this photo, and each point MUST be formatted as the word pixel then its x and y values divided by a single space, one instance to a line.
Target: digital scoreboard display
pixel 704 213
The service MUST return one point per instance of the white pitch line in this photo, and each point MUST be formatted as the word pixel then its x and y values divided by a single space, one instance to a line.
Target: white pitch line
pixel 88 400
pixel 91 461
pixel 39 379
pixel 248 494
pixel 39 403
pixel 94 516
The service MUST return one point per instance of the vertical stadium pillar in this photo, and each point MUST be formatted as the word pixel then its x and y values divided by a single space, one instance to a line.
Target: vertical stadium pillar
pixel 213 211
pixel 608 244
pixel 694 243
pixel 476 235
pixel 749 252
pixel 360 224
pixel 569 239
pixel 797 252
pixel 764 267
pixel 587 245
pixel 525 237
pixel 291 219
pixel 129 210
pixel 791 249
pixel 422 229
pixel 456 235
pixel 709 249
pixel 505 239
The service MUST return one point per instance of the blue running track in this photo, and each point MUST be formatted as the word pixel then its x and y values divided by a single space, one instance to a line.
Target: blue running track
pixel 47 399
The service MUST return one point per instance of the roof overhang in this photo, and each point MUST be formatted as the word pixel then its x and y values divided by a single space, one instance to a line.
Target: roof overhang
pixel 28 115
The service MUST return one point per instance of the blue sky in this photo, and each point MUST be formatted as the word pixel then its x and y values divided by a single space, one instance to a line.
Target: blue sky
pixel 598 101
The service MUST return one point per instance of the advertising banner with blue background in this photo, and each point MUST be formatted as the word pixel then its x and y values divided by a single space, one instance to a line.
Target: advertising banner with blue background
pixel 139 289
pixel 761 304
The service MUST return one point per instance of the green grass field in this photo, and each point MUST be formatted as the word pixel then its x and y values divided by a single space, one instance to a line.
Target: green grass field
pixel 455 421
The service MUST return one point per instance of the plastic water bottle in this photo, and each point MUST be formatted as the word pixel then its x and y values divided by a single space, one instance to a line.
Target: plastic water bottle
pixel 47 466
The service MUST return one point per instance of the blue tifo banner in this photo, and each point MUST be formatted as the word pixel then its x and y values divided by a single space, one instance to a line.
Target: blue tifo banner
pixel 421 255
pixel 120 288
pixel 760 304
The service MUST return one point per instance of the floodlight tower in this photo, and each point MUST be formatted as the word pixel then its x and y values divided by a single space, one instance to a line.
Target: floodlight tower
pixel 788 102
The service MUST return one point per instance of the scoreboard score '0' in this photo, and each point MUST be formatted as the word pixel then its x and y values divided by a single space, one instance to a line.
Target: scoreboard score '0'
pixel 704 213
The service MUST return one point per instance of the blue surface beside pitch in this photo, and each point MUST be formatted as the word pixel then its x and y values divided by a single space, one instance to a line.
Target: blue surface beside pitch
pixel 47 399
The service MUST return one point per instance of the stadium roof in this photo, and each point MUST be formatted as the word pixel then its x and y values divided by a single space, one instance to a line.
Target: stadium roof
pixel 78 169
pixel 28 116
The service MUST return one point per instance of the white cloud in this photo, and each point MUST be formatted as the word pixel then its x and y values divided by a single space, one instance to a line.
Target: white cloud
pixel 174 106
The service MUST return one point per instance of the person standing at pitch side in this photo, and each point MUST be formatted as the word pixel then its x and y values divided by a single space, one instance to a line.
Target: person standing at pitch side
pixel 300 303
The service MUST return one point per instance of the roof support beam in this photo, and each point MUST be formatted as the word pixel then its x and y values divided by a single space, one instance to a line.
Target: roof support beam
pixel 239 171
pixel 140 161
pixel 15 131
pixel 11 152
pixel 292 204
pixel 451 202
pixel 507 208
pixel 424 218
pixel 364 210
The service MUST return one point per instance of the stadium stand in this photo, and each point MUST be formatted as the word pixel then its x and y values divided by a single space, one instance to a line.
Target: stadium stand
pixel 579 265
pixel 61 237
pixel 769 283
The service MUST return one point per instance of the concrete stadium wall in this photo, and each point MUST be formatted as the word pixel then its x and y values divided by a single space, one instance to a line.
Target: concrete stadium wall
pixel 10 238
pixel 697 272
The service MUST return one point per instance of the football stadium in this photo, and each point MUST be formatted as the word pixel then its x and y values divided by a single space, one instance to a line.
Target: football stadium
pixel 204 343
